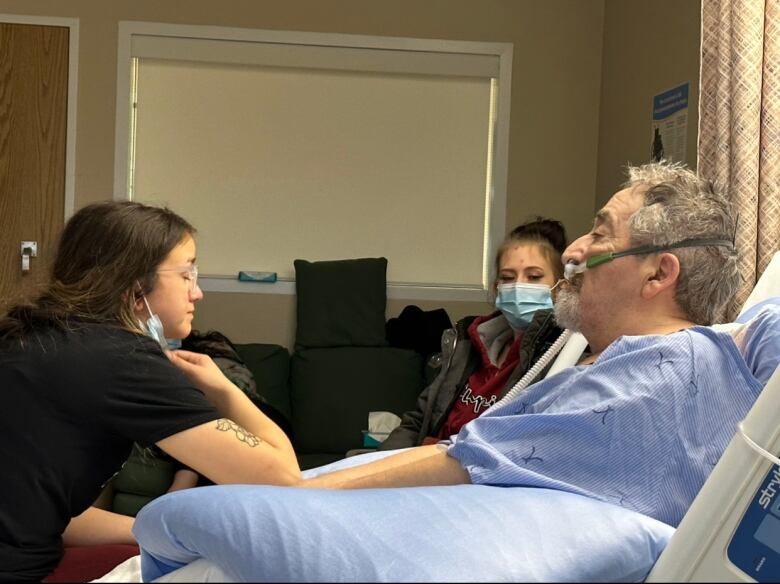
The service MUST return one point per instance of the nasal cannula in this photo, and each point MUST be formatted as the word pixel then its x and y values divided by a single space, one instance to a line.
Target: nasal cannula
pixel 571 269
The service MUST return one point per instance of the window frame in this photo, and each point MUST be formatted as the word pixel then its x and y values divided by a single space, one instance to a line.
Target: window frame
pixel 498 163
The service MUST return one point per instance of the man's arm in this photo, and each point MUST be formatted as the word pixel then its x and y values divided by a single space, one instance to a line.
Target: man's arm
pixel 418 467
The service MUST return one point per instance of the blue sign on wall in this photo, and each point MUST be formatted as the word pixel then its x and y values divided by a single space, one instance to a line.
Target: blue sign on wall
pixel 668 139
pixel 670 102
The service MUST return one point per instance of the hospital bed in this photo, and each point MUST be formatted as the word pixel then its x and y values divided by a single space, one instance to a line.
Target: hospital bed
pixel 732 530
pixel 730 533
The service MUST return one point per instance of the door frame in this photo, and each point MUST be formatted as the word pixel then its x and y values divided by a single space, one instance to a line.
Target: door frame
pixel 73 63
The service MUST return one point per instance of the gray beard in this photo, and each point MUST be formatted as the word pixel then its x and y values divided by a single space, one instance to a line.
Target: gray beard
pixel 567 310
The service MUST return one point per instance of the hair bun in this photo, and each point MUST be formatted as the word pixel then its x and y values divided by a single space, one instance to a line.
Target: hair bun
pixel 550 230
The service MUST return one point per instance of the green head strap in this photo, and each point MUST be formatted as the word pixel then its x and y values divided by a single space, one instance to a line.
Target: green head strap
pixel 603 258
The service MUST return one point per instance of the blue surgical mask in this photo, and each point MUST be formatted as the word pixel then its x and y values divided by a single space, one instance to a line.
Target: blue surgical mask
pixel 519 302
pixel 154 328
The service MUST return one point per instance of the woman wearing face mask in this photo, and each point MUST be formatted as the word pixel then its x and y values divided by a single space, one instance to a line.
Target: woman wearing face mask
pixel 84 375
pixel 483 357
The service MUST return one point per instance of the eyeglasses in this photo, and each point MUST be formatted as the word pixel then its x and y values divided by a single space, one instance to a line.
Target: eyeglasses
pixel 190 274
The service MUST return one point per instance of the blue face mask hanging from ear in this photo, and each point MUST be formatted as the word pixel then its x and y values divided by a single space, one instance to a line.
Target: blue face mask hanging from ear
pixel 154 328
pixel 519 302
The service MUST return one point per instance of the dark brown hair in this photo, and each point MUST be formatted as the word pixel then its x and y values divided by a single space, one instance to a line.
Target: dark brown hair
pixel 549 234
pixel 105 251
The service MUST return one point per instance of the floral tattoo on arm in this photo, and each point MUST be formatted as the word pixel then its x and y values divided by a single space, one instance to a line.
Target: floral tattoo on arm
pixel 224 425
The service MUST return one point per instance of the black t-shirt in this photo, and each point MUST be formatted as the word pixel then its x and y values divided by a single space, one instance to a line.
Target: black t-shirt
pixel 71 405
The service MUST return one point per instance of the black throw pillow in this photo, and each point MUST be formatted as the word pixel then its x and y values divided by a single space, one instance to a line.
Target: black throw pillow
pixel 341 303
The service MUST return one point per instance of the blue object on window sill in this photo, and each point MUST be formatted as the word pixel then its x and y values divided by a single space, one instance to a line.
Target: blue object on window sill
pixel 269 277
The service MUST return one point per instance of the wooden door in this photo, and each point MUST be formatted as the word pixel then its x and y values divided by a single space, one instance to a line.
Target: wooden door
pixel 33 116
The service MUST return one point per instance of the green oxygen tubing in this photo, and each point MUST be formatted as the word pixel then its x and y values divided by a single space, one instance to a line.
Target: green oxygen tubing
pixel 571 269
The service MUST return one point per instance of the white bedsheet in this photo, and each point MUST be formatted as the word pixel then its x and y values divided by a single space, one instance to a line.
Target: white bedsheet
pixel 198 571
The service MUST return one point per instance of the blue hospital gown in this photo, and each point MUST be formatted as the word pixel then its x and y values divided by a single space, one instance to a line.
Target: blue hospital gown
pixel 642 427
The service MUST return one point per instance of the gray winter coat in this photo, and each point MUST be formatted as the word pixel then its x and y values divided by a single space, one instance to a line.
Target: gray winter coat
pixel 459 359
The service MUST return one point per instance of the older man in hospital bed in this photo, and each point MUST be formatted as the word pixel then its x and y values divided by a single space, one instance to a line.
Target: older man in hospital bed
pixel 602 458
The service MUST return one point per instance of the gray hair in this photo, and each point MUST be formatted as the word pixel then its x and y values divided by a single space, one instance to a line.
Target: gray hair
pixel 679 204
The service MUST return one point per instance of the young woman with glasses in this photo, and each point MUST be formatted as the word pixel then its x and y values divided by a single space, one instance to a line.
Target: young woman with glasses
pixel 84 373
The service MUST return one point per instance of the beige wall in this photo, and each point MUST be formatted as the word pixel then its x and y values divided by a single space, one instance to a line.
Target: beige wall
pixel 584 75
pixel 649 46
pixel 554 115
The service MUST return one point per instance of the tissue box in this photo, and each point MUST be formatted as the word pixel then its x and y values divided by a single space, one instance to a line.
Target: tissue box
pixel 380 424
pixel 373 439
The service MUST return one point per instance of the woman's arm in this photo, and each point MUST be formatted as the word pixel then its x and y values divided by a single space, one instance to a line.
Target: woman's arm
pixel 228 453
pixel 417 467
pixel 98 527
pixel 245 446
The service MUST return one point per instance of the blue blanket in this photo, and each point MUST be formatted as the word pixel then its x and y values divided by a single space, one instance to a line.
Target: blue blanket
pixel 463 533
